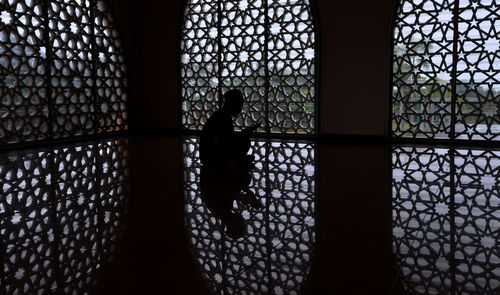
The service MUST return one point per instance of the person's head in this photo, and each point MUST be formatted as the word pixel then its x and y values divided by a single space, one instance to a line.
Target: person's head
pixel 233 101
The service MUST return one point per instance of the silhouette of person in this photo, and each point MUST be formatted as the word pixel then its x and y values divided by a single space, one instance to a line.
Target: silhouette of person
pixel 225 174
pixel 220 145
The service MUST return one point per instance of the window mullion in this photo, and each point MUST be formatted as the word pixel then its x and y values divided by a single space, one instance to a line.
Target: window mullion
pixel 266 66
pixel 93 6
pixel 220 54
pixel 48 67
pixel 454 71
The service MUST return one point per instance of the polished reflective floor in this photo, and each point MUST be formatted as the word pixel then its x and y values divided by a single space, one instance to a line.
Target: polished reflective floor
pixel 143 216
pixel 274 253
pixel 61 213
pixel 446 220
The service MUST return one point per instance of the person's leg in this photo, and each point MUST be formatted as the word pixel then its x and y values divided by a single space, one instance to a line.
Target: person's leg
pixel 241 145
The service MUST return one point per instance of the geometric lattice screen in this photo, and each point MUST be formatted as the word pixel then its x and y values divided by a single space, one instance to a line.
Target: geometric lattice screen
pixel 446 70
pixel 61 216
pixel 265 48
pixel 62 71
pixel 446 220
pixel 275 254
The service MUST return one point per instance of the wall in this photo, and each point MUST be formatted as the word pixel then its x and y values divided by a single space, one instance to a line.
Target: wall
pixel 149 30
pixel 354 38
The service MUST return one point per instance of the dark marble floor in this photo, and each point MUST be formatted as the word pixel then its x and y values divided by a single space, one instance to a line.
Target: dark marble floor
pixel 132 216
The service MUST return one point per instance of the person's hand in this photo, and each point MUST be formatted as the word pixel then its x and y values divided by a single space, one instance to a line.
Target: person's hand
pixel 253 128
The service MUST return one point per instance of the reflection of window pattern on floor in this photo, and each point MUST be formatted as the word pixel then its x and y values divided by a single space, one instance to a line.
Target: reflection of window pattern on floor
pixel 446 220
pixel 274 256
pixel 446 67
pixel 60 216
pixel 264 48
pixel 62 71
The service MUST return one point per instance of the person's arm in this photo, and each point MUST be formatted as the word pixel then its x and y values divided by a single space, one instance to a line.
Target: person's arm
pixel 248 131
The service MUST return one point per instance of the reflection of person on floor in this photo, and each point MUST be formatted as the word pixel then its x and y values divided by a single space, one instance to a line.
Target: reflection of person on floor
pixel 225 174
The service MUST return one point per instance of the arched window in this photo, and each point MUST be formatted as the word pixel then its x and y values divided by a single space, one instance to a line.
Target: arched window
pixel 266 48
pixel 62 72
pixel 446 70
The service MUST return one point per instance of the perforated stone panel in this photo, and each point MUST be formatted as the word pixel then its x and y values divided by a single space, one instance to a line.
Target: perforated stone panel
pixel 446 70
pixel 62 71
pixel 264 48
